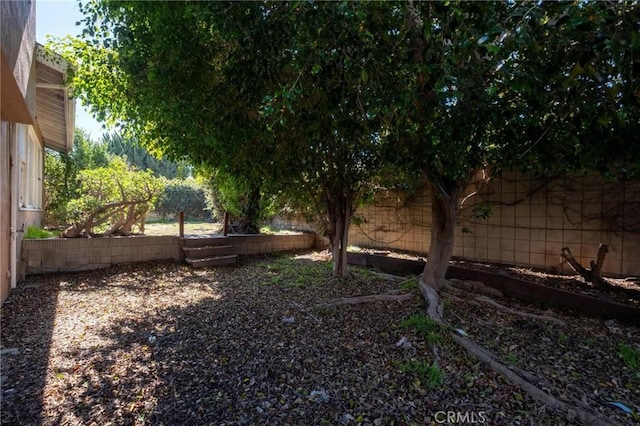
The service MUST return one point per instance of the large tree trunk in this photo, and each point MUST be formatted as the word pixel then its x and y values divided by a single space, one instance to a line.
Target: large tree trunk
pixel 444 213
pixel 248 220
pixel 339 219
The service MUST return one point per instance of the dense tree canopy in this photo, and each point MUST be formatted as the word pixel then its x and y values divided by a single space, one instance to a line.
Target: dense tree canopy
pixel 255 79
pixel 546 88
pixel 318 100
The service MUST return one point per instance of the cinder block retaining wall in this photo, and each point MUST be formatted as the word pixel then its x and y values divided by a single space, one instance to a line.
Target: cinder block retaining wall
pixel 255 244
pixel 81 254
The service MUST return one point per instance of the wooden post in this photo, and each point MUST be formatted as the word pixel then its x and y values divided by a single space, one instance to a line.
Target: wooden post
pixel 225 226
pixel 592 275
pixel 181 219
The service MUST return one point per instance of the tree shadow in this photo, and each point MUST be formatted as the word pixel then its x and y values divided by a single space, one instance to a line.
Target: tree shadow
pixel 245 345
pixel 207 362
pixel 28 317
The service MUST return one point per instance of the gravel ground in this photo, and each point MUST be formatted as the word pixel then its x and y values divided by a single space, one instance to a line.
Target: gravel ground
pixel 160 343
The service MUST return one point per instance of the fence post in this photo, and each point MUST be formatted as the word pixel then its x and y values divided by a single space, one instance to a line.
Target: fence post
pixel 225 226
pixel 181 221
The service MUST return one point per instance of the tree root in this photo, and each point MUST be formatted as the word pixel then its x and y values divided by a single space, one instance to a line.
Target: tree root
pixel 435 312
pixel 477 286
pixel 522 314
pixel 306 312
pixel 457 286
pixel 390 277
pixel 366 299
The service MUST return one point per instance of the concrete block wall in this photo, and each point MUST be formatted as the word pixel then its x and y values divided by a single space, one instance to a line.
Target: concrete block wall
pixel 80 254
pixel 255 244
pixel 530 222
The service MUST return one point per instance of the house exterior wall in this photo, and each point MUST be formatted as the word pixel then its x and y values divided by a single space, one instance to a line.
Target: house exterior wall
pixel 17 41
pixel 26 218
pixel 28 215
pixel 5 209
pixel 530 222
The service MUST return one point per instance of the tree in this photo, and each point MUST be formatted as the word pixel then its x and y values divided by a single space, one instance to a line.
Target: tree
pixel 192 96
pixel 61 173
pixel 546 88
pixel 139 157
pixel 253 78
pixel 182 195
pixel 115 196
pixel 330 113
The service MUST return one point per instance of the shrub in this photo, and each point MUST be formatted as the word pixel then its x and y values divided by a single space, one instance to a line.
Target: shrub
pixel 112 200
pixel 183 195
pixel 34 232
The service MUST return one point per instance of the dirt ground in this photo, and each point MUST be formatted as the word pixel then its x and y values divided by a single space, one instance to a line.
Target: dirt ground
pixel 160 343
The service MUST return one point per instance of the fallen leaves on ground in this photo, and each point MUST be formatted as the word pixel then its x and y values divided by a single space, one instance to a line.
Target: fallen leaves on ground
pixel 160 343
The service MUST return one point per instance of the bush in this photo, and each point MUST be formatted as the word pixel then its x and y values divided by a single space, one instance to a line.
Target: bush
pixel 183 195
pixel 112 200
pixel 34 232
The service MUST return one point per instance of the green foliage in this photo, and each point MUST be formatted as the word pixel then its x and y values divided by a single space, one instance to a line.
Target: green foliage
pixel 509 90
pixel 61 182
pixel 326 94
pixel 433 375
pixel 116 196
pixel 182 195
pixel 328 112
pixel 242 198
pixel 139 157
pixel 425 326
pixel 56 187
pixel 482 211
pixel 411 284
pixel 630 356
pixel 35 232
pixel 287 271
pixel 512 359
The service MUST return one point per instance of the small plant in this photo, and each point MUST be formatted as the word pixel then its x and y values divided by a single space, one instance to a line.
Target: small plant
pixel 284 270
pixel 410 284
pixel 427 327
pixel 512 359
pixel 35 232
pixel 268 230
pixel 482 211
pixel 630 356
pixel 563 338
pixel 430 372
pixel 363 273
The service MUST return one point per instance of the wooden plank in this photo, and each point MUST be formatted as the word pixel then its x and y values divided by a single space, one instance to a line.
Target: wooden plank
pixel 509 286
pixel 213 261
pixel 205 241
